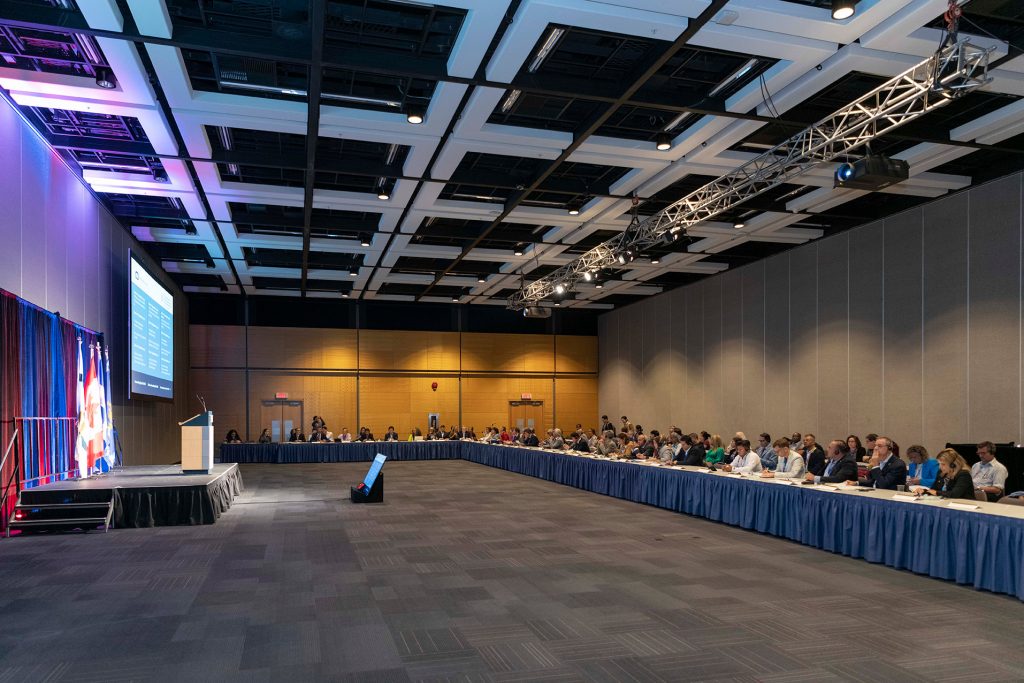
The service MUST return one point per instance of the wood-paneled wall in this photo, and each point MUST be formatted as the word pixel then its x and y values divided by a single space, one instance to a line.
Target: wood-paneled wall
pixel 378 378
pixel 908 326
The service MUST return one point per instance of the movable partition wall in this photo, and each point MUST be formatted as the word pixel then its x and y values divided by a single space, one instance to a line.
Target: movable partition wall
pixel 377 378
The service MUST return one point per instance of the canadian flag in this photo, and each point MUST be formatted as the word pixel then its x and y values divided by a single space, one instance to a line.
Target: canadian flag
pixel 89 447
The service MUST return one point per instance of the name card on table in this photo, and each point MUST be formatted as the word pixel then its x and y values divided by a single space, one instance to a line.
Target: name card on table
pixel 963 506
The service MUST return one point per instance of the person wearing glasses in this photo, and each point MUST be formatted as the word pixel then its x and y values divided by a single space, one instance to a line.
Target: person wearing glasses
pixel 887 471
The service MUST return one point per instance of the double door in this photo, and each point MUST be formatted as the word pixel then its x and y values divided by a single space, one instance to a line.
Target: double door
pixel 281 415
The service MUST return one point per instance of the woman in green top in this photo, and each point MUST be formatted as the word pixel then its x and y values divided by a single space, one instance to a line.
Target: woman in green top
pixel 716 453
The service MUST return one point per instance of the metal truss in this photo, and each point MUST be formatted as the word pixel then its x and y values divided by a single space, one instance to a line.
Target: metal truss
pixel 954 70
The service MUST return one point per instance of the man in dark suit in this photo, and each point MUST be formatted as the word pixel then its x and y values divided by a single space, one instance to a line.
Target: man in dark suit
pixel 814 456
pixel 887 471
pixel 690 454
pixel 840 466
pixel 531 439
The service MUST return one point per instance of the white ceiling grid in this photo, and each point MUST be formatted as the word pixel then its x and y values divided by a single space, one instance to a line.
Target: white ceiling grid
pixel 883 38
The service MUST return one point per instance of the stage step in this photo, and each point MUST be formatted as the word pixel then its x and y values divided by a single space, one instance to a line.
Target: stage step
pixel 61 516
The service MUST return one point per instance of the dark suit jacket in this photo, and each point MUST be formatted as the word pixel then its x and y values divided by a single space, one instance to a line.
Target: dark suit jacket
pixel 581 445
pixel 889 477
pixel 815 461
pixel 531 440
pixel 844 470
pixel 962 486
pixel 693 457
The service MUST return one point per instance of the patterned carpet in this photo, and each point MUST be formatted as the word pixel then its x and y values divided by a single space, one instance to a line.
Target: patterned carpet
pixel 467 573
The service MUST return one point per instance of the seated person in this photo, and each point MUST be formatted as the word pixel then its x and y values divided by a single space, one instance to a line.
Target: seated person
pixel 320 434
pixel 505 436
pixel 887 471
pixel 580 444
pixel 265 436
pixel 691 454
pixel 745 461
pixel 557 441
pixel 840 466
pixel 716 454
pixel 790 464
pixel 988 473
pixel 591 439
pixel 365 434
pixel 765 451
pixel 732 450
pixel 606 445
pixel 233 437
pixel 641 450
pixel 922 469
pixel 391 434
pixel 530 439
pixel 814 455
pixel 345 435
pixel 674 446
pixel 952 481
pixel 295 436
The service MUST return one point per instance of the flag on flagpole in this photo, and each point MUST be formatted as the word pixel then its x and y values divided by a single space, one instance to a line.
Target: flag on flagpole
pixel 108 413
pixel 81 445
pixel 93 409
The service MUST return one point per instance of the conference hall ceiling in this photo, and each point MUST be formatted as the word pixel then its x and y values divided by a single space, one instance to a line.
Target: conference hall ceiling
pixel 267 147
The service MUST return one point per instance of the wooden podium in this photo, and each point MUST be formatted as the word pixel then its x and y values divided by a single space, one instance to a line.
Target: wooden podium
pixel 197 444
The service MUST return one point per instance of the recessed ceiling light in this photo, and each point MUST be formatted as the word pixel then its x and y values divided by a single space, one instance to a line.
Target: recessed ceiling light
pixel 843 9
pixel 414 115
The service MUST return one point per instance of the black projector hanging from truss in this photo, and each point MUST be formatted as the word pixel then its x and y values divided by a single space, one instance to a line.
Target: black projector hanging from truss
pixel 872 173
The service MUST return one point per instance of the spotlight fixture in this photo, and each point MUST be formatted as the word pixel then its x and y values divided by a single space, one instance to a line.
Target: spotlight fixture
pixel 415 115
pixel 558 303
pixel 353 272
pixel 383 195
pixel 843 9
pixel 573 208
pixel 344 295
pixel 364 239
pixel 587 276
pixel 598 285
pixel 481 279
pixel 738 224
pixel 105 78
pixel 519 250
pixel 655 260
pixel 455 299
pixel 621 259
pixel 160 175
pixel 559 288
pixel 664 142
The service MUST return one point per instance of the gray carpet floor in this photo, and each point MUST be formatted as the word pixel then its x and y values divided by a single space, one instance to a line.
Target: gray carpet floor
pixel 468 573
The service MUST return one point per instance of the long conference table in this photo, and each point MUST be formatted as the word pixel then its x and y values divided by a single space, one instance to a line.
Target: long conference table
pixel 972 543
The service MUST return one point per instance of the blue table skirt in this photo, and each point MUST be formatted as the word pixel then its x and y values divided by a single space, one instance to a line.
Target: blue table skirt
pixel 975 549
pixel 984 551
pixel 338 452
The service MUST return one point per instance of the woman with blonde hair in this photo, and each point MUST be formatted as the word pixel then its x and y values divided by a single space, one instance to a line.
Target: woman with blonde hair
pixel 716 453
pixel 954 478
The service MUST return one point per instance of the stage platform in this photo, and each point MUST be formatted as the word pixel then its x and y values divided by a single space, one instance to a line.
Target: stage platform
pixel 151 495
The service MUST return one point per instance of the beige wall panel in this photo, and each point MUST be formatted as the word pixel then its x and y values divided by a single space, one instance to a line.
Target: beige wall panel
pixel 833 340
pixel 575 354
pixel 674 336
pixel 401 350
pixel 631 351
pixel 692 418
pixel 731 352
pixel 485 399
pixel 803 335
pixel 331 396
pixel 654 385
pixel 224 391
pixel 576 402
pixel 994 357
pixel 486 352
pixel 866 351
pixel 608 348
pixel 424 400
pixel 751 399
pixel 777 338
pixel 385 401
pixel 902 361
pixel 217 346
pixel 714 375
pixel 945 322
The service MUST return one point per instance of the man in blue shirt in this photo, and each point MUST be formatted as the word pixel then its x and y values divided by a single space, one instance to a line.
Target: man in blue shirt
pixel 765 451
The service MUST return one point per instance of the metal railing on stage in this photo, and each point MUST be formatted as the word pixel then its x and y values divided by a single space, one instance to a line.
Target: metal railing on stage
pixel 12 479
pixel 47 448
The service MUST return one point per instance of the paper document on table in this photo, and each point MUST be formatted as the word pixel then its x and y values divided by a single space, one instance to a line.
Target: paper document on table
pixel 963 506
pixel 906 497
pixel 844 487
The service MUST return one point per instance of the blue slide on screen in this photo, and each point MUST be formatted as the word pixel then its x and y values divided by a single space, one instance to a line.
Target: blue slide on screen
pixel 152 335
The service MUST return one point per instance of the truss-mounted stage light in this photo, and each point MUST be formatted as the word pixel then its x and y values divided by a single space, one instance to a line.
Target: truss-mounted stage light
pixel 559 288
pixel 621 258
pixel 588 276
pixel 105 78
pixel 664 142
pixel 536 312
pixel 414 114
pixel 364 239
pixel 843 9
